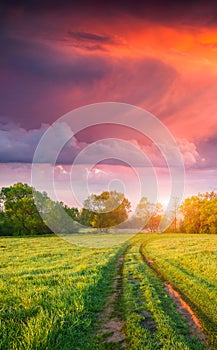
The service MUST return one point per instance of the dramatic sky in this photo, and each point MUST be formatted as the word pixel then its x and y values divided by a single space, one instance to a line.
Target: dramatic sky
pixel 158 55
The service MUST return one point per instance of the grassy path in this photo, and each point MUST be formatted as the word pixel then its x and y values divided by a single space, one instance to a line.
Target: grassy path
pixel 189 262
pixel 140 314
pixel 153 321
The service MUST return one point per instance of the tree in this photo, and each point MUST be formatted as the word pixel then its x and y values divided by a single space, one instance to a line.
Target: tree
pixel 200 213
pixel 72 212
pixel 19 214
pixel 148 215
pixel 208 215
pixel 6 227
pixel 172 219
pixel 155 218
pixel 105 210
pixel 60 218
pixel 143 209
pixel 191 209
pixel 174 212
pixel 25 211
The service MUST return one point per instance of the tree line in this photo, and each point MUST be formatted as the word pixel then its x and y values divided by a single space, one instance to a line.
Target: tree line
pixel 199 213
pixel 19 213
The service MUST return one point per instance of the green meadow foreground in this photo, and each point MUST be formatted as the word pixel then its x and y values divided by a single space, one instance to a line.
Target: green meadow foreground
pixel 56 295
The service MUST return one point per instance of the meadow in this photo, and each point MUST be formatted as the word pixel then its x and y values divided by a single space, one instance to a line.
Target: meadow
pixel 51 292
pixel 57 295
pixel 190 262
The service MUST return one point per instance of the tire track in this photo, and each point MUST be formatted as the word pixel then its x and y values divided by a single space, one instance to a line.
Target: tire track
pixel 183 308
pixel 111 321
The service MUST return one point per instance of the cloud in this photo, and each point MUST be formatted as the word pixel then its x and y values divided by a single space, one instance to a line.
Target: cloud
pixel 207 148
pixel 44 76
pixel 19 145
pixel 92 41
pixel 62 170
pixel 46 63
pixel 42 86
pixel 158 11
pixel 87 36
pixel 189 152
pixel 139 81
pixel 189 106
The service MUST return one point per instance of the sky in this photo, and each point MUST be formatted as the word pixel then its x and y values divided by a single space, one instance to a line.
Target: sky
pixel 159 56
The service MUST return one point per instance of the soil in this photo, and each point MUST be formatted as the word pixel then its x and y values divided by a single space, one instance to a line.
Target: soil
pixel 111 324
pixel 187 313
pixel 183 308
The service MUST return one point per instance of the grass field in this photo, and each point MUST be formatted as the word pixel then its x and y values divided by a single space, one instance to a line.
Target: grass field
pixel 51 292
pixel 55 295
pixel 190 262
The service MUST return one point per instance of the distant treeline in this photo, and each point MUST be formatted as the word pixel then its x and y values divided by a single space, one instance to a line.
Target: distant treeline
pixel 20 206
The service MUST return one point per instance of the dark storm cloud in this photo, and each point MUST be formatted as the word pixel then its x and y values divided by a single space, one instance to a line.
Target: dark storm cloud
pixel 40 76
pixel 157 10
pixel 84 36
pixel 90 41
pixel 36 76
pixel 43 62
pixel 18 144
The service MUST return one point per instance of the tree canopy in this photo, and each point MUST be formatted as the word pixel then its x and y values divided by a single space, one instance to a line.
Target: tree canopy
pixel 148 214
pixel 200 213
pixel 19 214
pixel 22 213
pixel 105 210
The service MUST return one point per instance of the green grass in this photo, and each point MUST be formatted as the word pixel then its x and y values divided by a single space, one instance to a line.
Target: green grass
pixel 152 319
pixel 190 263
pixel 51 292
pixel 96 240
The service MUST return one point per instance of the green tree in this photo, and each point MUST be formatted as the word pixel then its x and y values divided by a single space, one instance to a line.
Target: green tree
pixel 61 218
pixel 72 212
pixel 19 212
pixel 105 210
pixel 208 215
pixel 200 213
pixel 191 210
pixel 25 211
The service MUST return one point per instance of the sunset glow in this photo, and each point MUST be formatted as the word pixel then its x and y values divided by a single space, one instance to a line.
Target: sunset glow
pixel 58 58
